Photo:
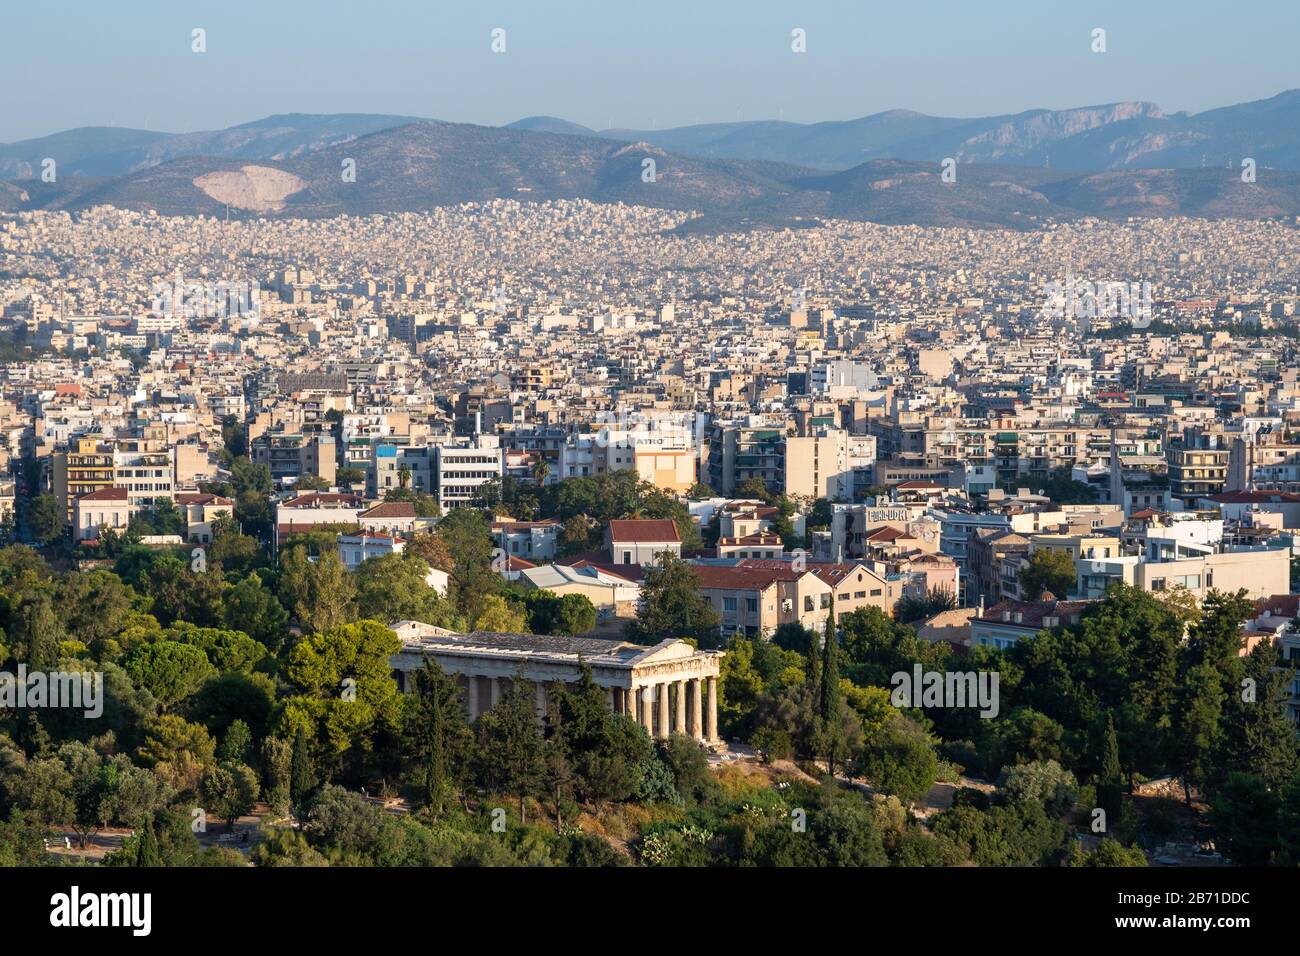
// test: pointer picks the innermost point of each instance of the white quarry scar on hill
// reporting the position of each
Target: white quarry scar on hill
(255, 188)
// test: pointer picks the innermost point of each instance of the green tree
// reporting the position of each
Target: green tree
(321, 594)
(45, 518)
(95, 606)
(499, 616)
(302, 773)
(1048, 570)
(147, 853)
(252, 608)
(671, 606)
(344, 689)
(1043, 781)
(438, 736)
(912, 608)
(471, 578)
(512, 756)
(899, 759)
(178, 751)
(604, 751)
(393, 588)
(1108, 853)
(181, 593)
(34, 633)
(1256, 734)
(237, 745)
(833, 746)
(1110, 782)
(229, 789)
(1198, 709)
(1245, 812)
(169, 670)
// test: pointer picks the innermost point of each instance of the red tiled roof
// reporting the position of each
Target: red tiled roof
(829, 571)
(1032, 612)
(201, 498)
(104, 494)
(1278, 605)
(391, 509)
(740, 577)
(644, 529)
(1254, 498)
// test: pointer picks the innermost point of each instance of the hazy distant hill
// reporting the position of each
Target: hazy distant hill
(1128, 135)
(1091, 138)
(113, 151)
(550, 124)
(428, 164)
(425, 164)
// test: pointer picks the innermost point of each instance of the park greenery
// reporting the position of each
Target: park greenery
(222, 690)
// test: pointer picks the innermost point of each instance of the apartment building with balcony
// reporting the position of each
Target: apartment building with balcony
(294, 455)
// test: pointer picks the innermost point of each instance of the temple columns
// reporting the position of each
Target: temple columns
(711, 715)
(648, 709)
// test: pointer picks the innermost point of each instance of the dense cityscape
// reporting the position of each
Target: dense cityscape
(414, 525)
(844, 485)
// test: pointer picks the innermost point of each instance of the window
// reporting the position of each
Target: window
(751, 605)
(1157, 584)
(729, 604)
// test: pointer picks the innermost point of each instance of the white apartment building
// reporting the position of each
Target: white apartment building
(462, 470)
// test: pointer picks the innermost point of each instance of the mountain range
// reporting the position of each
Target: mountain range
(1118, 160)
(1131, 135)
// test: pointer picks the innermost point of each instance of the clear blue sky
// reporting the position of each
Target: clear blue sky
(68, 63)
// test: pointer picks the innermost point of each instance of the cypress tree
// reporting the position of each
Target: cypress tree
(830, 676)
(832, 729)
(146, 847)
(1111, 779)
(439, 735)
(512, 748)
(813, 666)
(435, 754)
(302, 773)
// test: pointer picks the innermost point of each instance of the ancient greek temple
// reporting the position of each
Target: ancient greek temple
(670, 688)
